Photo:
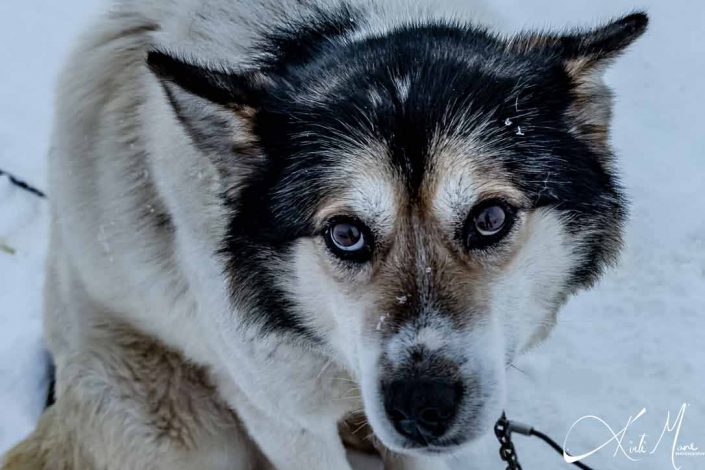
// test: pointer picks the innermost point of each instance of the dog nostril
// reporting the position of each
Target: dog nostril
(408, 427)
(422, 409)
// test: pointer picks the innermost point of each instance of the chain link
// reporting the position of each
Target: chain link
(506, 449)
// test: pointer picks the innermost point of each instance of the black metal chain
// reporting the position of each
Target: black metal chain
(504, 429)
(506, 447)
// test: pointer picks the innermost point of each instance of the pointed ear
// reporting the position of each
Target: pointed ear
(587, 52)
(215, 107)
(231, 89)
(584, 55)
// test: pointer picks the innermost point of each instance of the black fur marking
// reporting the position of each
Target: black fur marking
(254, 284)
(258, 236)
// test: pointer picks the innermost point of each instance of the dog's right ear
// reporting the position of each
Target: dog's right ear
(214, 106)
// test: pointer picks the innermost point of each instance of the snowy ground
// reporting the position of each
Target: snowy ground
(633, 342)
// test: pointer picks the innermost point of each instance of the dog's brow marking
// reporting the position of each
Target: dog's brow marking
(454, 194)
(368, 190)
(374, 199)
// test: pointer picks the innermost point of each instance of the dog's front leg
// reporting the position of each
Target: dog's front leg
(292, 447)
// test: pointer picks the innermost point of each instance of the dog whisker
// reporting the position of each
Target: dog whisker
(361, 427)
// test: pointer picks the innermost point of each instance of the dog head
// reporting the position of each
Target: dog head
(417, 203)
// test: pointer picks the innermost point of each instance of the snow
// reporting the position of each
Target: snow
(23, 231)
(633, 342)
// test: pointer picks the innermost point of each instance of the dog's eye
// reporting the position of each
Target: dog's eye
(488, 223)
(490, 220)
(349, 239)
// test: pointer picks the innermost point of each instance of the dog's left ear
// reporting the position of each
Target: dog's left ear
(230, 89)
(215, 106)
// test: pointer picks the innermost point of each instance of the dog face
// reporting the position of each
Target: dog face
(418, 204)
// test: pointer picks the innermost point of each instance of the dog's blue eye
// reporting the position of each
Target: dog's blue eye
(349, 239)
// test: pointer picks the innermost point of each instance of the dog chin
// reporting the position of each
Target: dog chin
(399, 445)
(408, 448)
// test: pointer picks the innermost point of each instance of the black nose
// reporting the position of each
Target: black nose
(422, 410)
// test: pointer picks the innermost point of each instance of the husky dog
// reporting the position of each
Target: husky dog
(269, 216)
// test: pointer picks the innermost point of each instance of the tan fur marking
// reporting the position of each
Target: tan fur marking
(178, 407)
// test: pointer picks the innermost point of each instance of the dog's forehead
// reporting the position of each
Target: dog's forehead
(430, 138)
(462, 171)
(438, 169)
(366, 186)
(457, 174)
(401, 123)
